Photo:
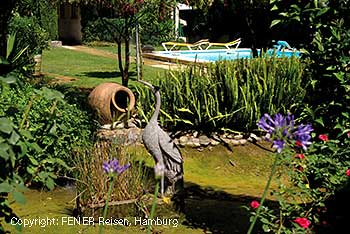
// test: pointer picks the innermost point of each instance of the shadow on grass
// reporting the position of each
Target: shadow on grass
(217, 211)
(106, 74)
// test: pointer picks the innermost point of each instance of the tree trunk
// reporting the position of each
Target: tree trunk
(120, 59)
(125, 76)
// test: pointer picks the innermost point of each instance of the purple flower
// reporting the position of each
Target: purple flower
(279, 127)
(302, 135)
(113, 167)
(283, 130)
(279, 145)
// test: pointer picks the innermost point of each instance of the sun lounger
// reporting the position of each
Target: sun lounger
(228, 45)
(168, 46)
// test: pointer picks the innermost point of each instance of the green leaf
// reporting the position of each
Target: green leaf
(6, 125)
(3, 151)
(19, 197)
(26, 134)
(50, 183)
(53, 130)
(8, 80)
(31, 170)
(274, 22)
(186, 121)
(14, 138)
(10, 44)
(320, 121)
(5, 187)
(185, 110)
(274, 8)
(33, 160)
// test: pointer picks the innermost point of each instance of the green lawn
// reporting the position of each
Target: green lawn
(90, 70)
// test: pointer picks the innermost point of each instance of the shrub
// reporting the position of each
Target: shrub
(56, 129)
(314, 177)
(156, 33)
(28, 35)
(227, 94)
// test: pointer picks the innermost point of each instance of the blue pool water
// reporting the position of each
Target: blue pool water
(216, 55)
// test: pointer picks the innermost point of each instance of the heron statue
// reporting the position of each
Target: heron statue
(168, 158)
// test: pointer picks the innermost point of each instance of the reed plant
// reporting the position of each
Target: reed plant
(226, 94)
(93, 183)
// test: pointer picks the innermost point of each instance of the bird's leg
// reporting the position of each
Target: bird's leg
(159, 170)
(162, 185)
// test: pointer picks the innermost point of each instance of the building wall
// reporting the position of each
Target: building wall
(69, 27)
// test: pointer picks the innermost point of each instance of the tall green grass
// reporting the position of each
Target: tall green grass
(227, 94)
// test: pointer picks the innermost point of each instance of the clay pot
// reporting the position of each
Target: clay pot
(110, 102)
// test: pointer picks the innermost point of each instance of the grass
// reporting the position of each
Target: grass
(89, 70)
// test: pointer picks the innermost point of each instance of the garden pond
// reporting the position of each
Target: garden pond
(218, 183)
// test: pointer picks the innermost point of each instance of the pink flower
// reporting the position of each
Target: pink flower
(300, 156)
(302, 222)
(323, 137)
(254, 204)
(347, 172)
(348, 134)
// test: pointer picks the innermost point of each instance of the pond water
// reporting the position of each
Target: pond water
(216, 192)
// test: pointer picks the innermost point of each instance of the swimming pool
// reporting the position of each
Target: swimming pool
(216, 55)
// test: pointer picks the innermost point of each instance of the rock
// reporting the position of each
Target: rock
(230, 136)
(183, 140)
(133, 135)
(131, 124)
(194, 142)
(56, 43)
(235, 142)
(254, 138)
(216, 137)
(195, 134)
(214, 142)
(267, 136)
(242, 141)
(204, 140)
(238, 137)
(119, 125)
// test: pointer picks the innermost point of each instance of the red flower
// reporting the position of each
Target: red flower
(254, 204)
(300, 156)
(302, 222)
(299, 144)
(347, 172)
(323, 137)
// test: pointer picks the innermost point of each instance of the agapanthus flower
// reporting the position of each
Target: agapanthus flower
(112, 167)
(283, 130)
(254, 204)
(302, 222)
(302, 135)
(278, 127)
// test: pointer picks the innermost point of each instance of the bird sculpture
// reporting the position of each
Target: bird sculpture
(168, 158)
